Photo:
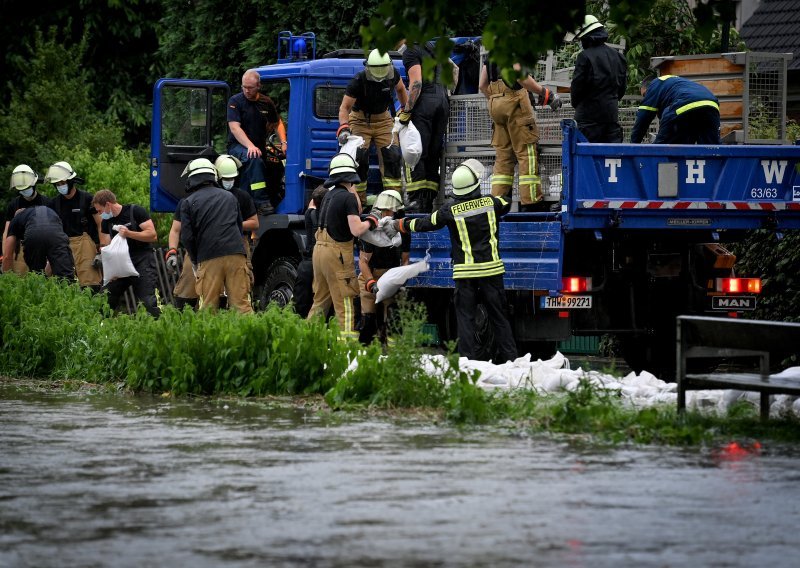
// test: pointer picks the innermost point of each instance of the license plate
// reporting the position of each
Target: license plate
(566, 302)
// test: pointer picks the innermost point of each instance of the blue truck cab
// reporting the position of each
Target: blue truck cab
(636, 234)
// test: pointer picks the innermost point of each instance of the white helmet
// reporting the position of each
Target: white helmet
(389, 199)
(342, 169)
(200, 166)
(227, 166)
(59, 172)
(23, 177)
(590, 23)
(467, 177)
(378, 65)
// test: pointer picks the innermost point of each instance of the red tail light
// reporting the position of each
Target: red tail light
(739, 285)
(576, 284)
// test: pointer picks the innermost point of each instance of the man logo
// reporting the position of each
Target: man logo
(731, 303)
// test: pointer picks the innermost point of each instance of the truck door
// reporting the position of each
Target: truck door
(189, 121)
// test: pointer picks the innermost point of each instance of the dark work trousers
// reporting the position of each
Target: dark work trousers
(491, 293)
(430, 117)
(43, 245)
(696, 126)
(303, 294)
(601, 131)
(144, 285)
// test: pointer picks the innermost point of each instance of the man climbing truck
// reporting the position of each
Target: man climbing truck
(636, 241)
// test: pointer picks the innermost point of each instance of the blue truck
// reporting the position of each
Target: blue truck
(636, 234)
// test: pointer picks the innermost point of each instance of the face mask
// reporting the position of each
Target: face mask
(63, 189)
(27, 193)
(227, 183)
(106, 215)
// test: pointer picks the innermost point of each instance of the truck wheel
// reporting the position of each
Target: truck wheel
(279, 284)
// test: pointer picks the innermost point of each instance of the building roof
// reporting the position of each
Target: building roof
(775, 27)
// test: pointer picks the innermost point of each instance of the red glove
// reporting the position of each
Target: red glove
(371, 286)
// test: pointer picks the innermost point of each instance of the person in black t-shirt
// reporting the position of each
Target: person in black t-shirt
(80, 221)
(133, 223)
(45, 242)
(366, 110)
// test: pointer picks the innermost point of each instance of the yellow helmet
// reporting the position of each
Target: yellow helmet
(590, 23)
(227, 166)
(342, 169)
(23, 177)
(59, 172)
(467, 177)
(378, 65)
(389, 199)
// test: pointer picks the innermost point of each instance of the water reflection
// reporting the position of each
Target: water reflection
(110, 480)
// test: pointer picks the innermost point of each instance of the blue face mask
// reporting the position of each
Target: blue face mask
(106, 215)
(27, 193)
(63, 189)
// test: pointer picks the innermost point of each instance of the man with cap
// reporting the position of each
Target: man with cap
(473, 222)
(365, 112)
(80, 220)
(373, 262)
(133, 223)
(45, 242)
(211, 231)
(23, 180)
(335, 280)
(598, 84)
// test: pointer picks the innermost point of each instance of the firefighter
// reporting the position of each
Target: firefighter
(477, 267)
(366, 111)
(373, 262)
(81, 223)
(185, 291)
(688, 113)
(335, 280)
(24, 180)
(515, 133)
(211, 231)
(40, 228)
(429, 108)
(598, 84)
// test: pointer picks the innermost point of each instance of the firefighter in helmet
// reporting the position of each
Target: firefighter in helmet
(335, 281)
(23, 180)
(473, 222)
(80, 220)
(366, 111)
(373, 262)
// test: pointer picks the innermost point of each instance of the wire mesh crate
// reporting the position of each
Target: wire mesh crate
(469, 122)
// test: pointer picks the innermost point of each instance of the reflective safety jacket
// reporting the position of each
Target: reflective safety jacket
(668, 97)
(474, 233)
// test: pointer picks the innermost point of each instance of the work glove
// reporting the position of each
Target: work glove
(548, 97)
(404, 116)
(98, 261)
(372, 220)
(387, 226)
(371, 286)
(343, 134)
(172, 260)
(397, 225)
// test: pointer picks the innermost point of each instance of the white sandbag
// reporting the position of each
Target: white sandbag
(410, 142)
(380, 237)
(394, 278)
(117, 260)
(352, 145)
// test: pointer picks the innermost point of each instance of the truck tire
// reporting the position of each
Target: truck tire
(279, 284)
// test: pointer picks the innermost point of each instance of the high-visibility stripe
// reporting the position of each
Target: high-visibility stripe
(693, 205)
(502, 179)
(696, 104)
(463, 235)
(349, 317)
(391, 183)
(478, 270)
(651, 109)
(492, 218)
(258, 185)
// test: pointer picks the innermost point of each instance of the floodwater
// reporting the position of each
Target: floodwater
(92, 479)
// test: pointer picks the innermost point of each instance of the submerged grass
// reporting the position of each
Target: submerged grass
(54, 332)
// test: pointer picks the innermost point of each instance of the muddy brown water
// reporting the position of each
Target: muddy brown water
(91, 479)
